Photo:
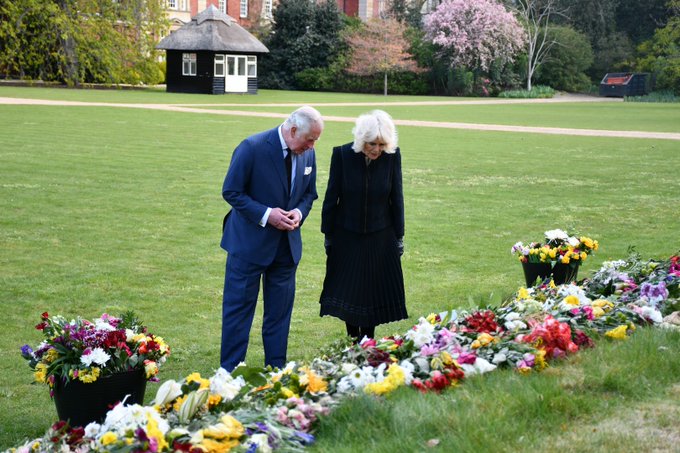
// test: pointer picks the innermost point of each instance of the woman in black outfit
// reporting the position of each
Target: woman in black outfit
(363, 222)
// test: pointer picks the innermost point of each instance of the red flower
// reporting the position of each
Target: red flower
(45, 315)
(483, 322)
(582, 340)
(41, 326)
(552, 336)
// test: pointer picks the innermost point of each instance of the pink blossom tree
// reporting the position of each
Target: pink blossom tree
(475, 33)
(379, 47)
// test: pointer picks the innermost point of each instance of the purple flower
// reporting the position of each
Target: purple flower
(654, 293)
(307, 439)
(27, 351)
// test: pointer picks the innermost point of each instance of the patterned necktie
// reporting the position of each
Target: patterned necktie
(289, 166)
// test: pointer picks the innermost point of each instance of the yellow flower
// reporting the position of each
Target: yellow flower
(214, 400)
(603, 304)
(50, 356)
(584, 255)
(40, 373)
(315, 383)
(446, 358)
(395, 378)
(552, 284)
(227, 428)
(214, 446)
(572, 300)
(286, 392)
(553, 253)
(108, 438)
(618, 333)
(523, 293)
(178, 403)
(88, 376)
(153, 432)
(565, 259)
(597, 312)
(483, 339)
(539, 360)
(196, 377)
(151, 368)
(432, 318)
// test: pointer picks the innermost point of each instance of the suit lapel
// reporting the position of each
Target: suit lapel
(276, 155)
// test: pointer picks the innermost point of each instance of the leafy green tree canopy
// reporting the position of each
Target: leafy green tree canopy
(304, 35)
(82, 41)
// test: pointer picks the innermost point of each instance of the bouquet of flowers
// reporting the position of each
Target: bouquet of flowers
(83, 350)
(557, 247)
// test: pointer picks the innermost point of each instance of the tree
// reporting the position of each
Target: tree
(304, 35)
(568, 60)
(82, 41)
(474, 33)
(379, 47)
(536, 15)
(660, 55)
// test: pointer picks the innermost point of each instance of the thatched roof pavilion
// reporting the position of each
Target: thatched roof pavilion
(212, 54)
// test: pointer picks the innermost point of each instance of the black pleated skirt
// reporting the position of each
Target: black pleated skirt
(364, 283)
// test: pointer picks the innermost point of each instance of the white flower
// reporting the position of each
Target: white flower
(347, 368)
(499, 358)
(513, 321)
(97, 355)
(574, 242)
(168, 392)
(100, 324)
(261, 441)
(122, 419)
(480, 366)
(408, 368)
(421, 334)
(651, 314)
(224, 384)
(553, 235)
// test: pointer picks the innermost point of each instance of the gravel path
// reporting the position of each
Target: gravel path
(193, 108)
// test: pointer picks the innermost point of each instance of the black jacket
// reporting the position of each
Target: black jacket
(363, 198)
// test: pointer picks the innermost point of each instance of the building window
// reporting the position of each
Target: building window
(222, 6)
(189, 64)
(183, 5)
(268, 9)
(219, 65)
(252, 66)
(244, 8)
(172, 4)
(231, 66)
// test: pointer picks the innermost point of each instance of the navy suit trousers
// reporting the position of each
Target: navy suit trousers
(241, 289)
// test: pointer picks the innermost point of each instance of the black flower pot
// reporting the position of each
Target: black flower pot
(533, 271)
(565, 273)
(80, 403)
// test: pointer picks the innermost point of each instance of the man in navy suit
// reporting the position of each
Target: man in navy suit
(262, 232)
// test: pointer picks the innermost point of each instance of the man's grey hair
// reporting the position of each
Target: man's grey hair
(375, 125)
(303, 119)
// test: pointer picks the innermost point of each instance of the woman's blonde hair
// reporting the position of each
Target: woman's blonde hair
(375, 125)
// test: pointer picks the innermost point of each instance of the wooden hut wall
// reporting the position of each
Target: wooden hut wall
(202, 82)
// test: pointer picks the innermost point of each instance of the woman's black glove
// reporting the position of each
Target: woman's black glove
(400, 246)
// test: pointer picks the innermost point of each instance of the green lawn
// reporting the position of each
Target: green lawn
(109, 209)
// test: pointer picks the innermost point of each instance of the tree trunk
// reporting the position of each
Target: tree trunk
(385, 85)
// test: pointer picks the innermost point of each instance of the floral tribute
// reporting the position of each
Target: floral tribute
(557, 247)
(262, 410)
(86, 351)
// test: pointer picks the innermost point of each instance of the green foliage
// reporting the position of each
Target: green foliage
(655, 96)
(568, 59)
(536, 92)
(661, 56)
(304, 35)
(81, 41)
(612, 53)
(334, 78)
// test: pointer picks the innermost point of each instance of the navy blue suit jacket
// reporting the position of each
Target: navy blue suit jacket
(255, 181)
